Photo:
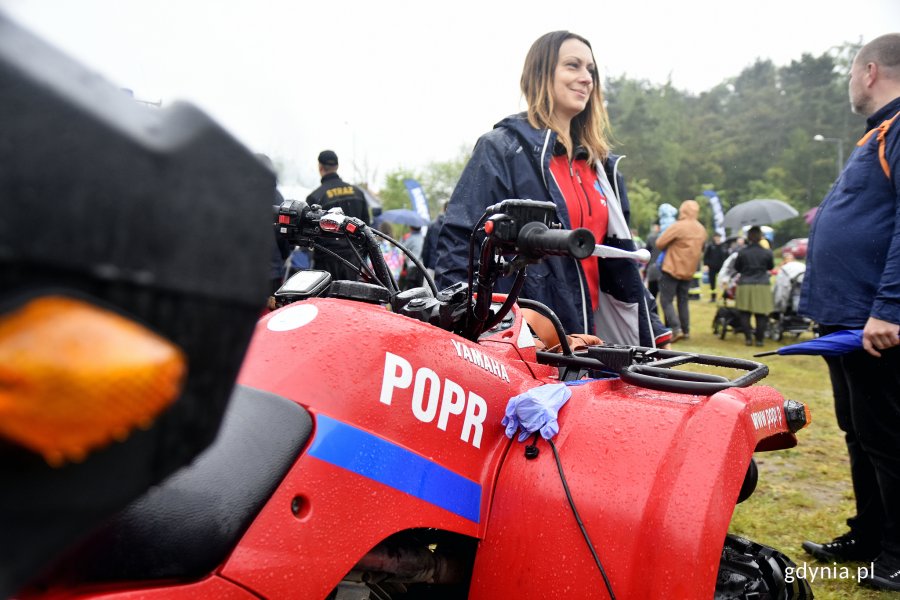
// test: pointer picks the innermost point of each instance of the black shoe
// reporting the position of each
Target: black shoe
(759, 342)
(886, 575)
(843, 548)
(748, 342)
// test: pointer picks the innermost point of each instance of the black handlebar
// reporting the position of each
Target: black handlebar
(528, 229)
(652, 368)
(536, 239)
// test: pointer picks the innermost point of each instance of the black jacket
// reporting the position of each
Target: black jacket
(753, 263)
(334, 192)
(714, 256)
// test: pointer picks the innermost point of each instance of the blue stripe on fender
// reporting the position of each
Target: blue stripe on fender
(368, 455)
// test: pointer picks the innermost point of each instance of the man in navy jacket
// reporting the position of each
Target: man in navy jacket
(852, 281)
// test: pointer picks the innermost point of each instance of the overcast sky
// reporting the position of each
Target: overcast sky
(390, 83)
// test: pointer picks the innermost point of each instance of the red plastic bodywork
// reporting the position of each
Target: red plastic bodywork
(655, 475)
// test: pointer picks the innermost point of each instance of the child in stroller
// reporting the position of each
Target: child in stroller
(786, 298)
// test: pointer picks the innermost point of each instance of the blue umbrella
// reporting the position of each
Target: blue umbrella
(833, 344)
(402, 216)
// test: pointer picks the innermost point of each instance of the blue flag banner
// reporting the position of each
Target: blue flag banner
(417, 198)
(718, 215)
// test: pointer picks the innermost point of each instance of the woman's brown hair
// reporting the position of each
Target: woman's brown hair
(590, 128)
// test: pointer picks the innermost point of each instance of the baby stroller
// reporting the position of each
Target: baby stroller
(727, 317)
(786, 298)
(728, 279)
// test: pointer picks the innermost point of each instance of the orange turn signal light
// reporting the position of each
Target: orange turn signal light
(75, 377)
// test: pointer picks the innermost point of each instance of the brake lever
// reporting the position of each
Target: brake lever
(642, 256)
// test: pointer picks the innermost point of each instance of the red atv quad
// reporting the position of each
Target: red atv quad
(363, 452)
(363, 456)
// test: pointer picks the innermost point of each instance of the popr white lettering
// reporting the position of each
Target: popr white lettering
(433, 397)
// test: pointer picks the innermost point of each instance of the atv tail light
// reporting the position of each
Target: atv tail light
(797, 415)
(75, 377)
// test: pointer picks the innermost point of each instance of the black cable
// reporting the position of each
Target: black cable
(584, 532)
(470, 278)
(416, 261)
(376, 258)
(510, 300)
(362, 270)
(557, 324)
(363, 265)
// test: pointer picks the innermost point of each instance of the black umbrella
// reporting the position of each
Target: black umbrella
(758, 212)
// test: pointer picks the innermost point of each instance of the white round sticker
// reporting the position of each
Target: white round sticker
(293, 317)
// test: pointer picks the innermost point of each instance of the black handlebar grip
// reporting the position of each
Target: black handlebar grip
(537, 239)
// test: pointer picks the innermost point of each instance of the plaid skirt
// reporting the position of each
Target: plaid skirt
(755, 298)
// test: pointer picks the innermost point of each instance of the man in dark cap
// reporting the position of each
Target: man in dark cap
(334, 192)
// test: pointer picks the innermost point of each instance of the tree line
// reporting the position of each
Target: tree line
(751, 136)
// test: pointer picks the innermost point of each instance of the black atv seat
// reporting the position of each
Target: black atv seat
(185, 527)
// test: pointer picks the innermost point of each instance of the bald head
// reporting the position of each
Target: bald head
(885, 52)
(875, 74)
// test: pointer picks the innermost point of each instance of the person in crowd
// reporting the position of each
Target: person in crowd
(667, 214)
(558, 151)
(790, 266)
(857, 286)
(651, 270)
(429, 249)
(393, 256)
(785, 296)
(414, 242)
(682, 242)
(280, 249)
(336, 193)
(638, 240)
(713, 258)
(754, 292)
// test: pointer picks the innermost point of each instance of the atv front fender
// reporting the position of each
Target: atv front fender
(655, 478)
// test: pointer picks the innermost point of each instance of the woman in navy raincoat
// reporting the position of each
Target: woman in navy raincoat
(558, 151)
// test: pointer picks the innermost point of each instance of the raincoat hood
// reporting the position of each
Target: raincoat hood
(689, 210)
(536, 140)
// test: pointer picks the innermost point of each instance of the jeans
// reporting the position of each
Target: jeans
(670, 289)
(867, 405)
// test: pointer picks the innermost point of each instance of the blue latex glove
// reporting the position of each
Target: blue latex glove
(536, 410)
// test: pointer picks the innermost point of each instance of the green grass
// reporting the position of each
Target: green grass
(804, 493)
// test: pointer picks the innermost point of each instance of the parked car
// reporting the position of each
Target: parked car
(796, 246)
